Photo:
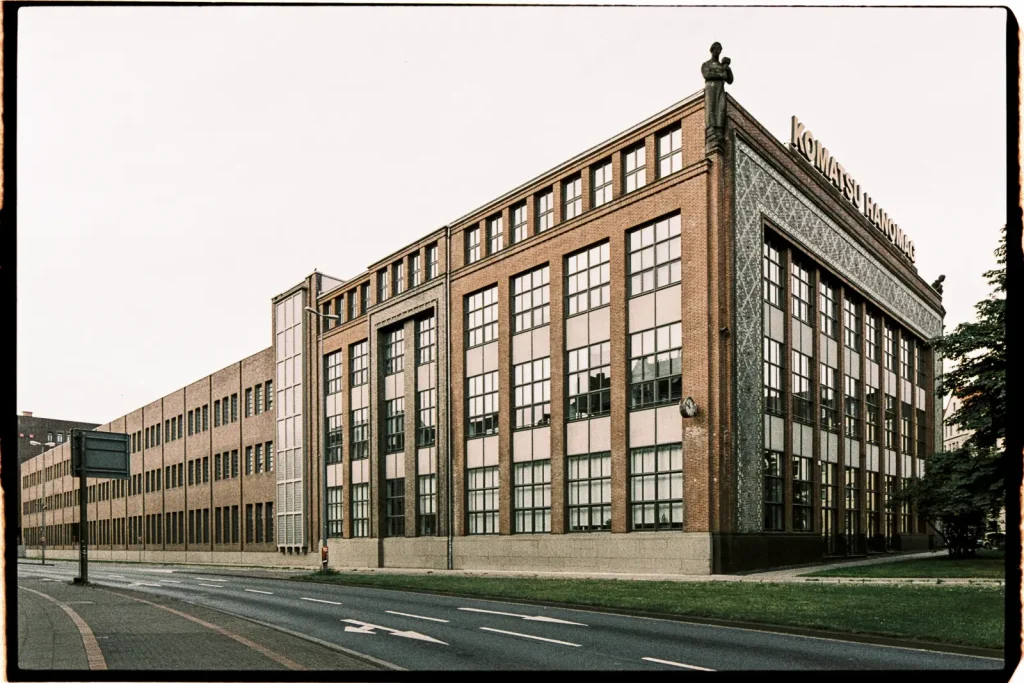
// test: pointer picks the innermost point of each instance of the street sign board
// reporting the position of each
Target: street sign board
(106, 455)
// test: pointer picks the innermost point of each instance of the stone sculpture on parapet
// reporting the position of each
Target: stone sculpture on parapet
(716, 74)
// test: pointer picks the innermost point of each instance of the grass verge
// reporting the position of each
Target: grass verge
(958, 615)
(989, 564)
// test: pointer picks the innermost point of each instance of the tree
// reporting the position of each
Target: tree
(979, 350)
(960, 490)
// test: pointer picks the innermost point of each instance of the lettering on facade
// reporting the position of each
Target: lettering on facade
(811, 149)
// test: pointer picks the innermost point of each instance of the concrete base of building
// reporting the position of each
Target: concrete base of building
(747, 552)
(241, 559)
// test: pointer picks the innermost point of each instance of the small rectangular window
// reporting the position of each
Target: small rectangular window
(572, 197)
(634, 165)
(482, 317)
(545, 210)
(670, 154)
(432, 264)
(472, 245)
(495, 234)
(602, 183)
(482, 404)
(518, 214)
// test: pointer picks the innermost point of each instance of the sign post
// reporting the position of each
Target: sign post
(102, 455)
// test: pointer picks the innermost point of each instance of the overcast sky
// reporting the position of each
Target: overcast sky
(178, 167)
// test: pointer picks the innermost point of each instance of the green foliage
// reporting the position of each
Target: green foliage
(960, 489)
(979, 350)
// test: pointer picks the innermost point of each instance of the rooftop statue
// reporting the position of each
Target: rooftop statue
(716, 74)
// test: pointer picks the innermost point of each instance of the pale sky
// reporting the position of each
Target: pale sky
(180, 166)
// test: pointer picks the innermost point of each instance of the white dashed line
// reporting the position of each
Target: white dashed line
(526, 635)
(416, 616)
(154, 585)
(168, 581)
(253, 590)
(211, 585)
(326, 602)
(681, 666)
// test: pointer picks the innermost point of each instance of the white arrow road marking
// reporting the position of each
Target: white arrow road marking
(253, 590)
(327, 602)
(416, 616)
(682, 666)
(550, 620)
(364, 627)
(526, 635)
(211, 585)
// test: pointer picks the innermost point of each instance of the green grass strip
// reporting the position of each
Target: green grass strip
(989, 564)
(959, 615)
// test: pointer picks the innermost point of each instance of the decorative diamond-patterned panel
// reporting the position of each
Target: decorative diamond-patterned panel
(761, 191)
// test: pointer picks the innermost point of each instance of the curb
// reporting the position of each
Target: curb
(869, 639)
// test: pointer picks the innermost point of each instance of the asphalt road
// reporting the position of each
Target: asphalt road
(417, 631)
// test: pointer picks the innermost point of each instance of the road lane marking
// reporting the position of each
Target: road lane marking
(368, 629)
(140, 583)
(208, 578)
(527, 635)
(326, 602)
(253, 590)
(682, 666)
(211, 585)
(416, 616)
(93, 653)
(525, 617)
(169, 581)
(267, 652)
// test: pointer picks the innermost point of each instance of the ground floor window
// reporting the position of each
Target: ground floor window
(360, 510)
(905, 520)
(482, 487)
(852, 506)
(656, 487)
(829, 502)
(335, 509)
(427, 493)
(532, 495)
(890, 512)
(590, 492)
(774, 486)
(803, 502)
(872, 491)
(394, 507)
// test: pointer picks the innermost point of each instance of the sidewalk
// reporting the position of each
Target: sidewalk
(61, 626)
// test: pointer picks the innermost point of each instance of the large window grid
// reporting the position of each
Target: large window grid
(531, 394)
(656, 487)
(332, 369)
(803, 303)
(852, 507)
(334, 511)
(473, 245)
(602, 183)
(829, 506)
(670, 151)
(531, 299)
(482, 317)
(890, 421)
(531, 492)
(922, 368)
(851, 407)
(358, 358)
(333, 439)
(518, 218)
(803, 399)
(889, 347)
(572, 198)
(394, 351)
(427, 495)
(829, 380)
(872, 495)
(482, 500)
(655, 359)
(545, 210)
(803, 502)
(774, 398)
(590, 492)
(495, 234)
(871, 407)
(360, 447)
(654, 252)
(426, 339)
(360, 510)
(851, 324)
(394, 425)
(772, 278)
(774, 488)
(426, 417)
(634, 165)
(828, 309)
(483, 404)
(394, 507)
(587, 278)
(906, 433)
(588, 388)
(906, 358)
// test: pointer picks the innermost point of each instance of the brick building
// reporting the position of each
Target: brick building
(506, 392)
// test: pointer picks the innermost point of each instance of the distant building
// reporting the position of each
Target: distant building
(953, 437)
(44, 430)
